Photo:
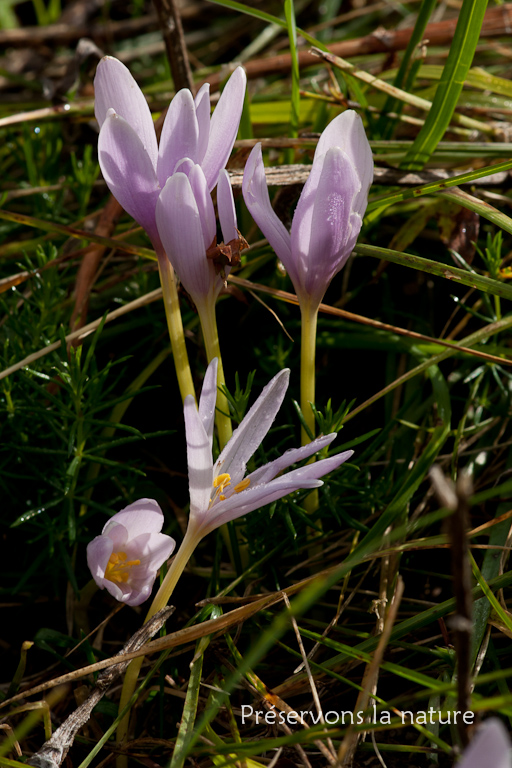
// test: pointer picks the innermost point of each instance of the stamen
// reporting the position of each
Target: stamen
(118, 567)
(242, 485)
(220, 482)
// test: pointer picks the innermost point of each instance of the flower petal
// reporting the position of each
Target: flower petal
(115, 88)
(204, 203)
(143, 516)
(128, 171)
(253, 428)
(226, 207)
(322, 234)
(98, 553)
(246, 501)
(152, 549)
(208, 399)
(199, 457)
(269, 471)
(202, 102)
(347, 132)
(181, 231)
(490, 747)
(255, 192)
(180, 135)
(224, 126)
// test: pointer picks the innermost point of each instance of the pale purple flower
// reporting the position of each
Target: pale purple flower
(222, 491)
(133, 165)
(490, 748)
(186, 223)
(126, 557)
(329, 214)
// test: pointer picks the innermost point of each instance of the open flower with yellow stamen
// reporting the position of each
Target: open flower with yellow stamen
(126, 557)
(222, 492)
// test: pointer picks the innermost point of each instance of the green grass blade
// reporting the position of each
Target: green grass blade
(471, 279)
(448, 91)
(386, 125)
(289, 12)
(438, 186)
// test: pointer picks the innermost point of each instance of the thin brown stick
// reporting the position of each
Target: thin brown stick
(496, 22)
(54, 751)
(175, 46)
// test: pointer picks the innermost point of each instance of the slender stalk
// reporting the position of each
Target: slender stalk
(307, 368)
(208, 320)
(309, 317)
(160, 601)
(175, 325)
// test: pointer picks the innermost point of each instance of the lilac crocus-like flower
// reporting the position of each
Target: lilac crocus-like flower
(491, 747)
(133, 165)
(329, 213)
(126, 557)
(186, 223)
(222, 491)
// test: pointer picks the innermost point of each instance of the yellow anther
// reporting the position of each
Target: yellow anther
(242, 485)
(221, 481)
(118, 567)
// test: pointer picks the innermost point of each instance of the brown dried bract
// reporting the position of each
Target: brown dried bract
(226, 254)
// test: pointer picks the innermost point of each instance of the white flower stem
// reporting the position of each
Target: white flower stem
(175, 326)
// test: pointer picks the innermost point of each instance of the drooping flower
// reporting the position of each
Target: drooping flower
(186, 223)
(126, 557)
(222, 491)
(329, 214)
(491, 747)
(133, 165)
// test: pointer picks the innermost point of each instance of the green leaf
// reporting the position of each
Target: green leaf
(471, 279)
(457, 65)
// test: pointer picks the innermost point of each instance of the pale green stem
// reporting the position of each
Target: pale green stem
(208, 319)
(307, 368)
(160, 601)
(206, 310)
(181, 363)
(309, 316)
(175, 326)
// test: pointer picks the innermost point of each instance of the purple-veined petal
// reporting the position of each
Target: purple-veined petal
(321, 229)
(181, 231)
(180, 135)
(224, 126)
(204, 203)
(255, 425)
(115, 88)
(292, 456)
(199, 457)
(347, 132)
(257, 200)
(490, 747)
(143, 516)
(202, 102)
(226, 207)
(208, 399)
(239, 504)
(128, 171)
